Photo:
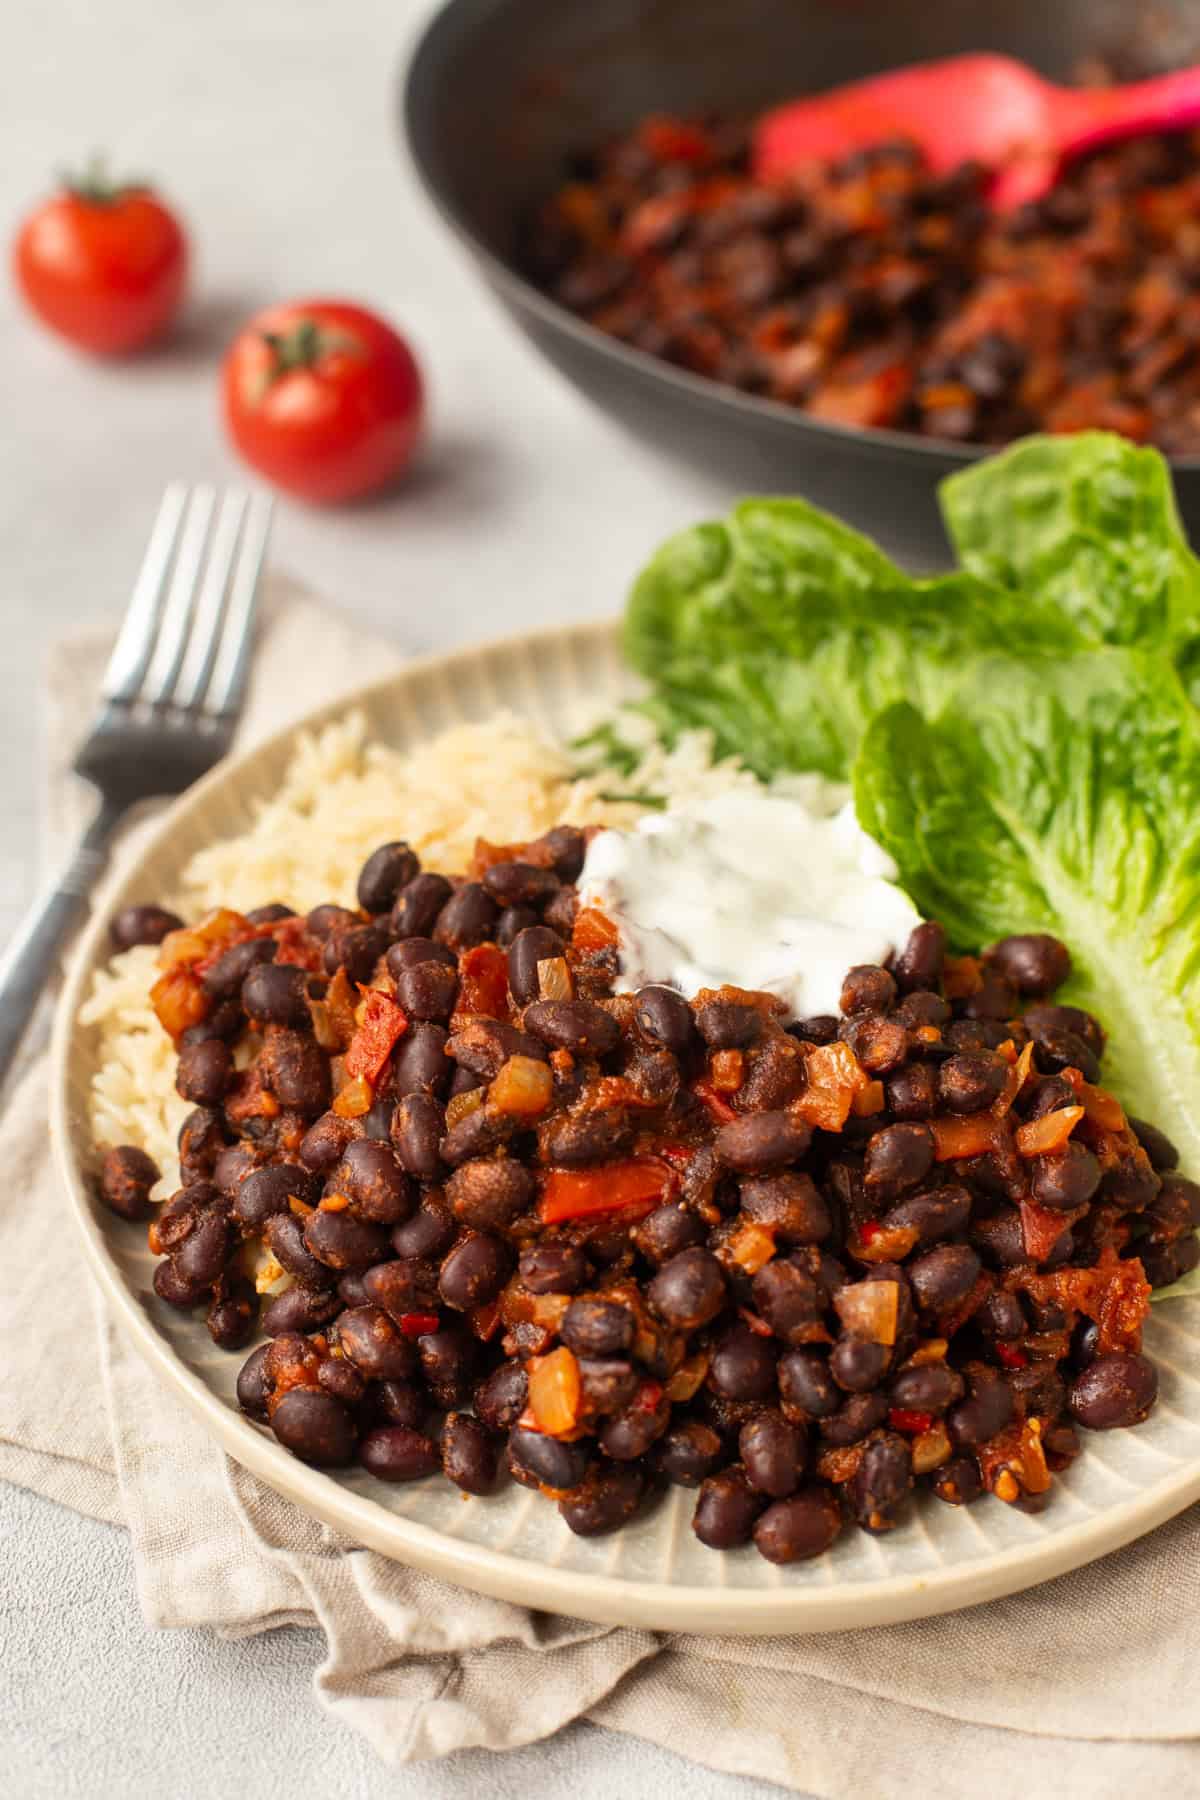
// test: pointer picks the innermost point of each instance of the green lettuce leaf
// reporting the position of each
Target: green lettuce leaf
(1064, 797)
(784, 632)
(1087, 526)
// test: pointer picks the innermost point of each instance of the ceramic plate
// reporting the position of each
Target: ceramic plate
(654, 1574)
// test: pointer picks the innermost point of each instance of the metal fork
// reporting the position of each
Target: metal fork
(170, 699)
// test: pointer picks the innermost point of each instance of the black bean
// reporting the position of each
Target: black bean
(411, 952)
(1000, 1315)
(373, 1180)
(897, 1157)
(474, 1271)
(341, 1379)
(1038, 1389)
(577, 1139)
(271, 914)
(141, 925)
(664, 1017)
(561, 910)
(919, 964)
(126, 1176)
(987, 1409)
(401, 1403)
(789, 1301)
(790, 1204)
(377, 1120)
(1034, 962)
(689, 1290)
(417, 906)
(485, 1045)
(203, 1148)
(976, 1034)
(501, 1399)
(943, 1276)
(868, 988)
(1157, 1145)
(268, 1190)
(520, 884)
(994, 999)
(385, 872)
(553, 1268)
(553, 1463)
(576, 1025)
(468, 917)
(881, 1482)
(607, 1499)
(772, 1450)
(351, 1290)
(376, 1348)
(1064, 1050)
(857, 1364)
(880, 1044)
(357, 950)
(728, 1024)
(430, 1232)
(804, 1525)
(608, 1385)
(822, 1028)
(958, 1482)
(233, 1313)
(324, 1143)
(806, 1387)
(315, 1427)
(324, 919)
(342, 1242)
(405, 1285)
(743, 1365)
(762, 1141)
(394, 1453)
(252, 1383)
(912, 1092)
(489, 1195)
(1066, 1178)
(275, 994)
(201, 1257)
(177, 1289)
(224, 979)
(204, 1072)
(417, 1124)
(448, 1363)
(856, 1416)
(301, 1309)
(530, 947)
(687, 1452)
(923, 1008)
(420, 1064)
(1116, 1389)
(630, 1434)
(594, 1327)
(226, 1021)
(470, 1456)
(971, 1081)
(566, 845)
(512, 922)
(183, 1212)
(937, 1214)
(1041, 1020)
(726, 1509)
(932, 1387)
(295, 1070)
(428, 991)
(667, 1231)
(1047, 1095)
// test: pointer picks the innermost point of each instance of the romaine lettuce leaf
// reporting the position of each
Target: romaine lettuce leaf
(1086, 525)
(1065, 797)
(784, 631)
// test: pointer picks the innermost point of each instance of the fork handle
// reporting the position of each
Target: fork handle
(29, 961)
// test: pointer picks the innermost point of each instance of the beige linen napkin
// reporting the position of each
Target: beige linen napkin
(1085, 1686)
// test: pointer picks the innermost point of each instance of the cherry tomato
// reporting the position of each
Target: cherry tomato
(323, 398)
(103, 264)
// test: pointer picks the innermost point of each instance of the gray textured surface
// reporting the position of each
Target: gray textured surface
(270, 127)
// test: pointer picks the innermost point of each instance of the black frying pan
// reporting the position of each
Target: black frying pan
(500, 91)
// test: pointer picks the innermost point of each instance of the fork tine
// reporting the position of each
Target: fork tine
(205, 639)
(175, 620)
(232, 665)
(135, 641)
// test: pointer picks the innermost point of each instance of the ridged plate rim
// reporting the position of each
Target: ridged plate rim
(807, 1597)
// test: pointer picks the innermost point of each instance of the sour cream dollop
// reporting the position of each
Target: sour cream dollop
(750, 888)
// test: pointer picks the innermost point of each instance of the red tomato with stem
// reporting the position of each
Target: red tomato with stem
(323, 398)
(103, 263)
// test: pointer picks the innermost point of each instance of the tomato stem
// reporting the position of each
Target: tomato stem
(96, 186)
(301, 347)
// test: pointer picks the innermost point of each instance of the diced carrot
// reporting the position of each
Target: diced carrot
(869, 1309)
(610, 1187)
(554, 1392)
(485, 856)
(1038, 1136)
(751, 1247)
(1041, 1228)
(1102, 1108)
(482, 984)
(380, 1027)
(868, 1100)
(835, 1076)
(970, 1135)
(727, 1071)
(180, 1000)
(1015, 1080)
(355, 1099)
(523, 1088)
(334, 1202)
(196, 943)
(1008, 1050)
(592, 931)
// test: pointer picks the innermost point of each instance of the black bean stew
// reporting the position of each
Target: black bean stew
(876, 293)
(596, 1242)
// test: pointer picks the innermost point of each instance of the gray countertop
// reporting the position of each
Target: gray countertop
(270, 125)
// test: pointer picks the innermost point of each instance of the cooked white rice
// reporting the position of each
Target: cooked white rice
(340, 797)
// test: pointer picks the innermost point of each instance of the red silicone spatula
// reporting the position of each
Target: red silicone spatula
(987, 109)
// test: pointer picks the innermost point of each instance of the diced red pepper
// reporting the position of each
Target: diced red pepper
(909, 1421)
(678, 1155)
(871, 1230)
(718, 1107)
(611, 1187)
(382, 1024)
(418, 1324)
(593, 931)
(1012, 1356)
(482, 984)
(1041, 1229)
